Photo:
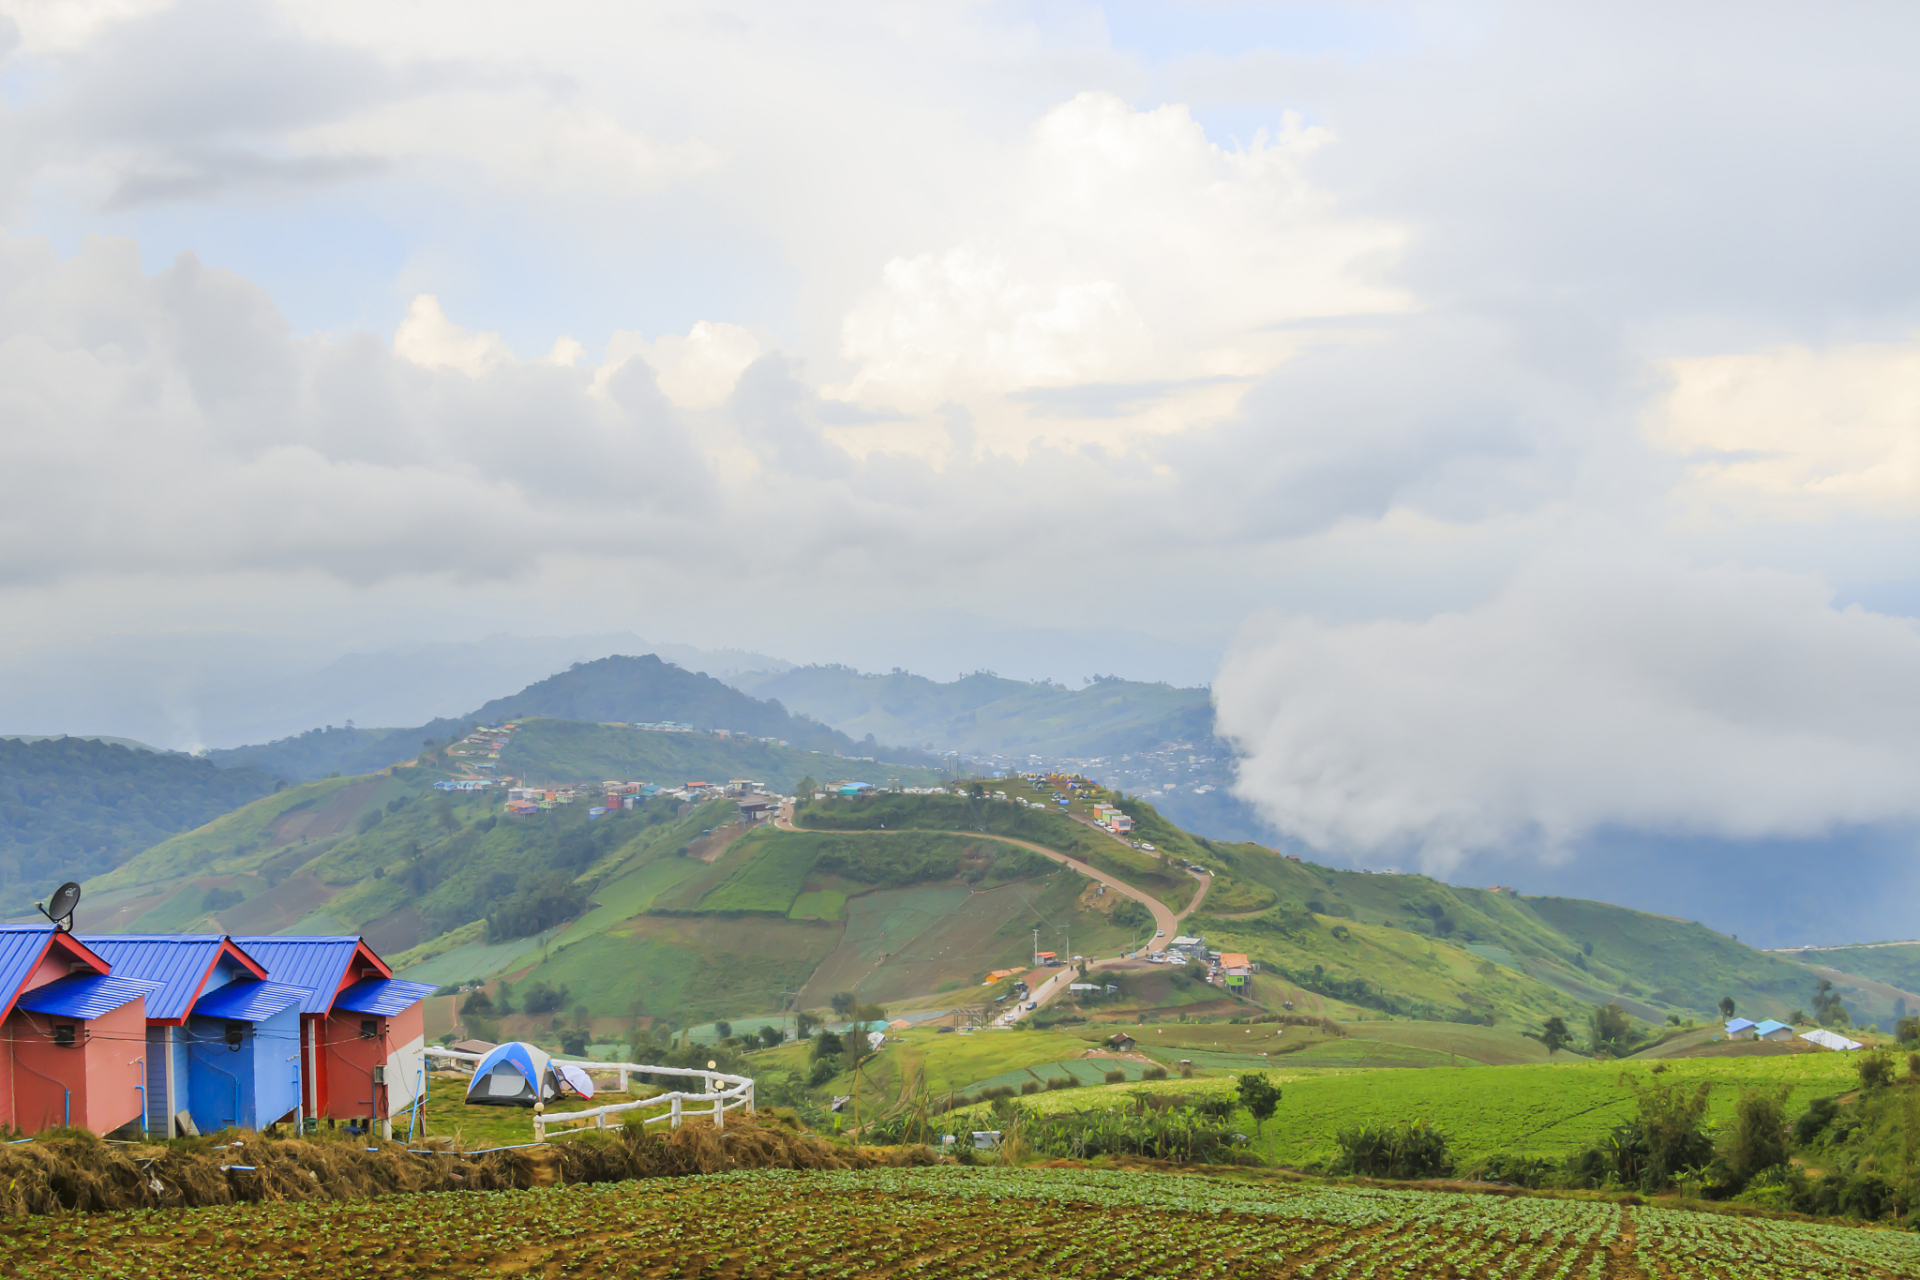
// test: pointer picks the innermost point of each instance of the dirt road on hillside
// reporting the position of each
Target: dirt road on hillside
(1163, 917)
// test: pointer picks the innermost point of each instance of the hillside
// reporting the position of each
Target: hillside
(984, 714)
(76, 807)
(1408, 945)
(571, 750)
(619, 689)
(669, 912)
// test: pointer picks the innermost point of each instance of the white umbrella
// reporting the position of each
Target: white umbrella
(576, 1077)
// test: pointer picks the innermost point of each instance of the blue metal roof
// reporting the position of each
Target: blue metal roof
(247, 1001)
(21, 946)
(314, 964)
(84, 995)
(384, 996)
(178, 962)
(1768, 1027)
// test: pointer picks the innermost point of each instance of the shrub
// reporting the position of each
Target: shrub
(1404, 1151)
(1031, 1086)
(1757, 1139)
(1876, 1070)
(1063, 1082)
(1154, 1073)
(1665, 1136)
(1116, 1077)
(1818, 1115)
(1517, 1171)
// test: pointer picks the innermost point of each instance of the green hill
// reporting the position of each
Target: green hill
(75, 807)
(1408, 945)
(670, 912)
(618, 689)
(571, 751)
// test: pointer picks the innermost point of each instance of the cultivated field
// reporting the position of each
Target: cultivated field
(951, 1221)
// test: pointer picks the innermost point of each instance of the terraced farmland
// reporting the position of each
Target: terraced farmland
(952, 1221)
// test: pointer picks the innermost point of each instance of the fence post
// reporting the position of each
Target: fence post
(750, 1088)
(675, 1124)
(539, 1127)
(623, 1080)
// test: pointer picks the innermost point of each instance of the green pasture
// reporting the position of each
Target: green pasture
(1544, 1109)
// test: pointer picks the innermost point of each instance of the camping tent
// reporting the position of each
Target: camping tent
(506, 1077)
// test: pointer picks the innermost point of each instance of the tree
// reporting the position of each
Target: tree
(723, 1029)
(803, 1025)
(1827, 1007)
(770, 1036)
(1554, 1035)
(1727, 1007)
(805, 788)
(1611, 1033)
(505, 1003)
(479, 1002)
(827, 1044)
(1260, 1096)
(1907, 1030)
(843, 1002)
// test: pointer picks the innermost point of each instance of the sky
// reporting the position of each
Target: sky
(1512, 410)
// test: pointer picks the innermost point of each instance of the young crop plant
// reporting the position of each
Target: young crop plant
(950, 1221)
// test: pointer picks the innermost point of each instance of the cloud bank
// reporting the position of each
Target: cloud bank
(1596, 689)
(362, 325)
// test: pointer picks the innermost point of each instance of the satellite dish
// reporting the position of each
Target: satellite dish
(60, 909)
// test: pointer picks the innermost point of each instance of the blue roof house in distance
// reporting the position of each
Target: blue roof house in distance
(223, 1044)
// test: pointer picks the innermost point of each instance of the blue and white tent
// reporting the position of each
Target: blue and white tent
(515, 1074)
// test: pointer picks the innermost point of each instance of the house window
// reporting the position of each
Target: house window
(369, 1029)
(233, 1037)
(64, 1034)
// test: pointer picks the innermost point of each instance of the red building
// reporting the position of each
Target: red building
(75, 1037)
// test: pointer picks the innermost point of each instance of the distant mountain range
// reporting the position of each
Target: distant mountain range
(987, 715)
(616, 689)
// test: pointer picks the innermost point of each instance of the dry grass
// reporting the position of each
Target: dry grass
(74, 1171)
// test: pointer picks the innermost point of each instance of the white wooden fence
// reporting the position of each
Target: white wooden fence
(719, 1093)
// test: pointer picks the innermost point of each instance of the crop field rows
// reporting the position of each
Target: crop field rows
(952, 1221)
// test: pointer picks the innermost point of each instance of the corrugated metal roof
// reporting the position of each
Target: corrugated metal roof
(21, 946)
(247, 1001)
(384, 996)
(84, 995)
(178, 962)
(313, 964)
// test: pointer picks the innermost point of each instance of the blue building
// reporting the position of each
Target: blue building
(223, 1043)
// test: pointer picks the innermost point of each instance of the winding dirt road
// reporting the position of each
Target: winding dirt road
(1165, 919)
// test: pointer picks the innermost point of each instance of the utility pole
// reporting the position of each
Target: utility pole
(1036, 944)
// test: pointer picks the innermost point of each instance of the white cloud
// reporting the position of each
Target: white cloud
(696, 370)
(432, 341)
(1600, 688)
(1804, 433)
(1131, 248)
